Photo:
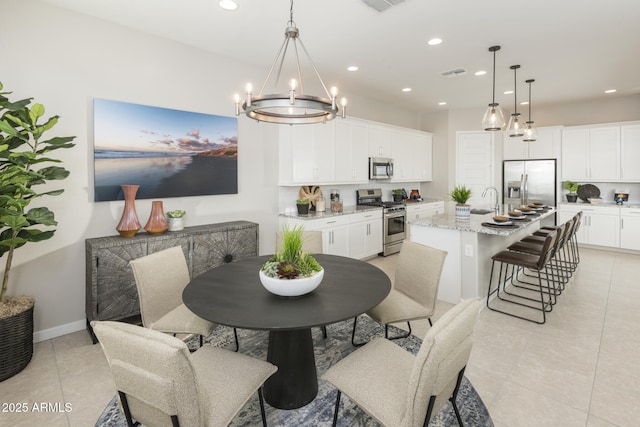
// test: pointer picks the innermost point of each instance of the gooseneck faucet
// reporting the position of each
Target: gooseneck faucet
(497, 207)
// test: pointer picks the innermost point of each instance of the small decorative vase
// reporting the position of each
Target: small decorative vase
(175, 224)
(463, 211)
(157, 223)
(303, 209)
(129, 224)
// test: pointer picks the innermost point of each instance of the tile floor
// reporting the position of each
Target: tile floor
(579, 369)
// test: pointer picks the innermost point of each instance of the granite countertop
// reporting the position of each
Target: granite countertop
(410, 202)
(346, 210)
(602, 205)
(474, 224)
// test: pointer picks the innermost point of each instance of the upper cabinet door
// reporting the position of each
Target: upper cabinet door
(630, 153)
(351, 154)
(547, 145)
(604, 162)
(575, 154)
(307, 153)
(379, 142)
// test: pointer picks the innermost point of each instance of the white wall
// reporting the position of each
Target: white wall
(65, 60)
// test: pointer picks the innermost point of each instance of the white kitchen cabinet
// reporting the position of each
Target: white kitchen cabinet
(591, 153)
(335, 232)
(600, 224)
(630, 153)
(365, 234)
(412, 156)
(630, 228)
(379, 141)
(351, 152)
(307, 153)
(546, 146)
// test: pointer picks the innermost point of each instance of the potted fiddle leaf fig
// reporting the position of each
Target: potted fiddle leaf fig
(25, 166)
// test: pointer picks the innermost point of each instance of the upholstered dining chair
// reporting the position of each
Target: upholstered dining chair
(402, 390)
(160, 383)
(160, 279)
(311, 241)
(415, 288)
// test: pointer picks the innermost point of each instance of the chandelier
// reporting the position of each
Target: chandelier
(294, 106)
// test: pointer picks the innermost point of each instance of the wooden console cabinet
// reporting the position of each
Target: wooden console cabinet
(110, 287)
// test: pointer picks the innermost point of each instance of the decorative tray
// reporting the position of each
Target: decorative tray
(588, 190)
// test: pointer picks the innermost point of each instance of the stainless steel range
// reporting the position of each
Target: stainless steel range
(394, 218)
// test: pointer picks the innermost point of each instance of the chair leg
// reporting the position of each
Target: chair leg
(429, 319)
(386, 333)
(235, 335)
(427, 418)
(353, 334)
(335, 412)
(201, 340)
(262, 413)
(324, 332)
(174, 421)
(127, 411)
(454, 396)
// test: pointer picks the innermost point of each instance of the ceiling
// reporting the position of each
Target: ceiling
(574, 49)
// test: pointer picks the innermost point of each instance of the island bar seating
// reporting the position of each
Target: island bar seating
(572, 253)
(516, 260)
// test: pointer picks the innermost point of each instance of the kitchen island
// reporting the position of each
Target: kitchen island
(470, 246)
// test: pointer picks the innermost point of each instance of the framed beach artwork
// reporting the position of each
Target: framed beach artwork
(168, 153)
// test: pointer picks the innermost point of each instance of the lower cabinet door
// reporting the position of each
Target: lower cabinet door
(630, 232)
(603, 230)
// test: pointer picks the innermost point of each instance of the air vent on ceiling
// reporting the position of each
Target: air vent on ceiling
(456, 72)
(381, 5)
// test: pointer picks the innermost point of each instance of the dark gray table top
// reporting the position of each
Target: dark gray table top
(232, 295)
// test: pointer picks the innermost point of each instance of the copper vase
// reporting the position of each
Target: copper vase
(157, 222)
(129, 224)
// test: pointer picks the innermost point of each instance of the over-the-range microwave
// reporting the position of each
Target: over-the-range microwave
(380, 168)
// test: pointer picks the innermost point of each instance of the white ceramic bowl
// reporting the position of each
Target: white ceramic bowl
(293, 287)
(594, 200)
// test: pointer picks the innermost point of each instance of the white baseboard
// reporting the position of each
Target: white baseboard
(58, 331)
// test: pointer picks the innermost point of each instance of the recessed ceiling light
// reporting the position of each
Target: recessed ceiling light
(508, 92)
(481, 73)
(352, 68)
(434, 42)
(610, 91)
(406, 89)
(442, 103)
(228, 4)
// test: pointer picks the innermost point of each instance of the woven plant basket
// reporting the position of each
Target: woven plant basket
(16, 343)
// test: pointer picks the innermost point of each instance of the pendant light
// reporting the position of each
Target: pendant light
(530, 132)
(493, 118)
(292, 105)
(515, 128)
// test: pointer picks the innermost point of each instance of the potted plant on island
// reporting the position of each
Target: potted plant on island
(175, 219)
(22, 156)
(303, 206)
(291, 271)
(461, 194)
(571, 187)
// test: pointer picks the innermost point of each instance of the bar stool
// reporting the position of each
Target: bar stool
(519, 260)
(570, 249)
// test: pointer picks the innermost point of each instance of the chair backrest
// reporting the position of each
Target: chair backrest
(418, 271)
(153, 370)
(160, 279)
(311, 241)
(444, 353)
(547, 249)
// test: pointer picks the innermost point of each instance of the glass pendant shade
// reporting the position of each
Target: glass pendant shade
(515, 128)
(530, 132)
(493, 118)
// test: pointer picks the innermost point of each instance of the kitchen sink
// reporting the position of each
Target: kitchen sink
(481, 211)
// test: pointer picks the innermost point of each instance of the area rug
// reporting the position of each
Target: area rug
(320, 412)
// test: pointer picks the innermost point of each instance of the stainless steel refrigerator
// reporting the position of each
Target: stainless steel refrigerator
(527, 181)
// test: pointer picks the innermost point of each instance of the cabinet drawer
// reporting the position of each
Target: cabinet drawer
(365, 216)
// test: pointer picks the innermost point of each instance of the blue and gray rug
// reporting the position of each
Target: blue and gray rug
(320, 411)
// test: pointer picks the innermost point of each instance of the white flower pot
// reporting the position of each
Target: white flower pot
(463, 212)
(175, 224)
(293, 287)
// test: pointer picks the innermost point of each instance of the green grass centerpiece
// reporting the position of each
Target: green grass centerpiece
(291, 271)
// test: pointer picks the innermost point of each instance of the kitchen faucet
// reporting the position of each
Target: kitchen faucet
(484, 193)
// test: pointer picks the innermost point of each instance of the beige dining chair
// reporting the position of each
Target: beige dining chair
(415, 289)
(160, 279)
(399, 389)
(159, 383)
(311, 241)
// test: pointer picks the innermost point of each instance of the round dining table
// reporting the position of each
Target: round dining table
(233, 295)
